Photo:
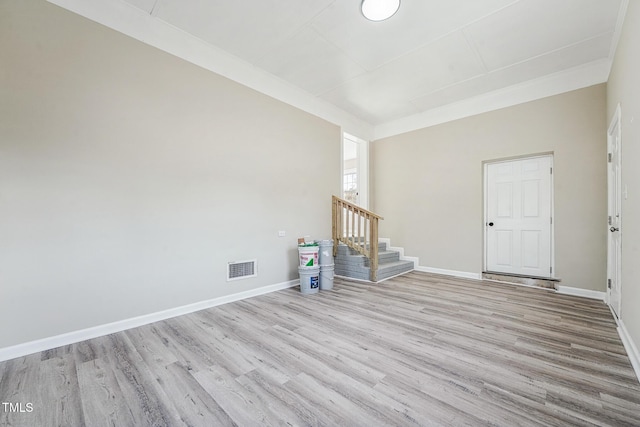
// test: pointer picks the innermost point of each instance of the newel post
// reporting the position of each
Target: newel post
(334, 225)
(373, 248)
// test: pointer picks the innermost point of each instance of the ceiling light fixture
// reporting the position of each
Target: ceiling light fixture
(379, 10)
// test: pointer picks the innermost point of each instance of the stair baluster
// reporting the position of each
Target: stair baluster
(358, 229)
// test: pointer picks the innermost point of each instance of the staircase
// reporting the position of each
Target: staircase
(349, 263)
(357, 252)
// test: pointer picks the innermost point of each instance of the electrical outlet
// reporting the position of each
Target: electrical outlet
(282, 233)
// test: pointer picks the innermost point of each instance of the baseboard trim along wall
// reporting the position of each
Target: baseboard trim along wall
(31, 347)
(418, 267)
(630, 346)
(461, 274)
(567, 290)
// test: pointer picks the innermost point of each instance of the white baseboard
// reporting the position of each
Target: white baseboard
(630, 346)
(454, 273)
(567, 290)
(418, 267)
(122, 325)
(355, 279)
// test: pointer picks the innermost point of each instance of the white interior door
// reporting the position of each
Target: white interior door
(355, 170)
(518, 221)
(614, 220)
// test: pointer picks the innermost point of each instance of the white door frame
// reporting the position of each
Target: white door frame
(614, 270)
(485, 187)
(363, 169)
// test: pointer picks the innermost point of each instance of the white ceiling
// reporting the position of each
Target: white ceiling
(431, 54)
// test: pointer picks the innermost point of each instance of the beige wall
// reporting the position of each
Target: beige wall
(624, 88)
(428, 184)
(129, 178)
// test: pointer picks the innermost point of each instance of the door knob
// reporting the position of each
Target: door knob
(612, 229)
(490, 224)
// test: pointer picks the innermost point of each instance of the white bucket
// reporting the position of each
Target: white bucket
(309, 279)
(308, 255)
(326, 252)
(326, 277)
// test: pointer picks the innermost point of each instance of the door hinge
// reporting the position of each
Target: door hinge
(609, 219)
(609, 283)
(551, 171)
(550, 270)
(551, 220)
(609, 156)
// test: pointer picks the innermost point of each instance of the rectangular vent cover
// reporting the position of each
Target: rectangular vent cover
(242, 269)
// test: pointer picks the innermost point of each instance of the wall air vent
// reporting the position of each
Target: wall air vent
(237, 270)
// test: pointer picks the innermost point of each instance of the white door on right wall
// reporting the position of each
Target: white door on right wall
(615, 211)
(518, 218)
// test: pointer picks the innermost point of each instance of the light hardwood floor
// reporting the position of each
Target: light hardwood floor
(417, 350)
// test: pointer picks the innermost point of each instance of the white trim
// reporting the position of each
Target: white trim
(565, 81)
(586, 293)
(485, 196)
(485, 210)
(629, 346)
(424, 269)
(128, 19)
(394, 276)
(363, 174)
(122, 325)
(622, 12)
(616, 123)
(461, 274)
(356, 279)
(403, 257)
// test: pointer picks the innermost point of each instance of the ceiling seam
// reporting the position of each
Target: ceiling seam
(512, 85)
(475, 50)
(489, 72)
(440, 37)
(306, 25)
(153, 9)
(552, 51)
(430, 42)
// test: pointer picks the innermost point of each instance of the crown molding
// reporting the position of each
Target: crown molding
(140, 25)
(622, 13)
(553, 84)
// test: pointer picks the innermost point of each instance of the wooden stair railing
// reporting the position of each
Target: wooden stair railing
(358, 229)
